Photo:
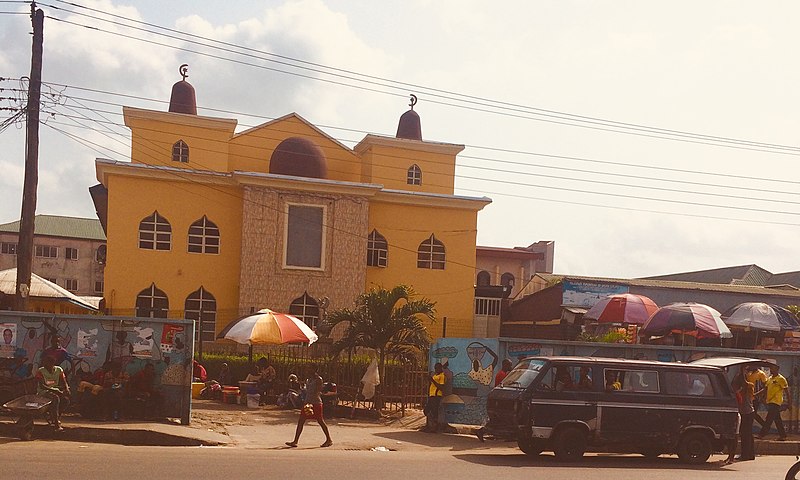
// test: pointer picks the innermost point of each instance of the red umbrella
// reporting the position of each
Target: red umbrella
(622, 308)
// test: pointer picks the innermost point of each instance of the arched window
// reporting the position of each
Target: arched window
(180, 152)
(377, 250)
(100, 254)
(306, 309)
(484, 279)
(430, 254)
(152, 302)
(414, 176)
(507, 280)
(201, 307)
(204, 236)
(155, 233)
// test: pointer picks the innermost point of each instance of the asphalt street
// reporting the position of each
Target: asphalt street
(72, 460)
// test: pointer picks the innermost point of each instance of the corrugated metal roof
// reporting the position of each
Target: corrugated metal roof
(40, 288)
(59, 226)
(645, 282)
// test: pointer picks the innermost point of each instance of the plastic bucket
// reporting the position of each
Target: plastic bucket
(252, 400)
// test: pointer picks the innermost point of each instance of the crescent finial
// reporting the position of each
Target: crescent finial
(184, 69)
(413, 101)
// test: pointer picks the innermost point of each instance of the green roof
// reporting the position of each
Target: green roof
(58, 226)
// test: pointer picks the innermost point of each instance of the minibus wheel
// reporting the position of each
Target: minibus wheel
(569, 444)
(531, 446)
(695, 447)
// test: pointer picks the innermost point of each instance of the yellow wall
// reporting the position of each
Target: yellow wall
(252, 149)
(130, 270)
(152, 141)
(389, 167)
(404, 228)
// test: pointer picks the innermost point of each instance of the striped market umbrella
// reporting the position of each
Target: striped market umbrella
(266, 327)
(761, 316)
(622, 308)
(693, 319)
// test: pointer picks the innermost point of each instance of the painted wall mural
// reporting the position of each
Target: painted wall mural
(88, 344)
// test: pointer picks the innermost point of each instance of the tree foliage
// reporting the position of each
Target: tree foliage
(387, 321)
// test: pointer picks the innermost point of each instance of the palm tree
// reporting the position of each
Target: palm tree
(387, 321)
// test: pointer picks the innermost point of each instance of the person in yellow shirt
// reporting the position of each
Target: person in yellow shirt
(435, 392)
(758, 378)
(775, 386)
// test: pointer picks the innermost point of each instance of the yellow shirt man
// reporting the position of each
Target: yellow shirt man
(775, 386)
(433, 390)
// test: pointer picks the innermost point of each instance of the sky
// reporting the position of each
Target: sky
(643, 138)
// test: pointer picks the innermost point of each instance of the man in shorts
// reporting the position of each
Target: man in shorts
(312, 409)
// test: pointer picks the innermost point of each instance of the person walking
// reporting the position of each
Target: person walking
(775, 386)
(435, 392)
(312, 409)
(744, 391)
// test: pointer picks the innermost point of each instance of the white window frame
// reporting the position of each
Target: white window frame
(414, 175)
(71, 284)
(9, 248)
(382, 254)
(204, 246)
(45, 251)
(323, 241)
(158, 219)
(182, 155)
(101, 284)
(68, 251)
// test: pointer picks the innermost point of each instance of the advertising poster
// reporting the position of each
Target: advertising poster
(171, 338)
(586, 294)
(87, 342)
(143, 342)
(9, 343)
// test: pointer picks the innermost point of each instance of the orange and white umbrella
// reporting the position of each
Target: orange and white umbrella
(266, 327)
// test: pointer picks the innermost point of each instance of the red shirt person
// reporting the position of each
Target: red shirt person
(503, 372)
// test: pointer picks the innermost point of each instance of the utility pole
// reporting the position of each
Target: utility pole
(31, 182)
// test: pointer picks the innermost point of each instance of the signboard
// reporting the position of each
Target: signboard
(586, 294)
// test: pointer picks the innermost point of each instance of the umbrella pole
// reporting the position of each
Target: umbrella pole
(250, 354)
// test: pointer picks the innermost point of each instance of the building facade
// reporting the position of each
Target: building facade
(67, 251)
(205, 222)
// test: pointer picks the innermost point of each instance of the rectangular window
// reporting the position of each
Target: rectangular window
(8, 248)
(71, 253)
(305, 237)
(637, 381)
(53, 280)
(685, 383)
(71, 284)
(98, 287)
(487, 306)
(46, 251)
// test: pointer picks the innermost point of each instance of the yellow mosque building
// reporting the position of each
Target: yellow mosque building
(207, 222)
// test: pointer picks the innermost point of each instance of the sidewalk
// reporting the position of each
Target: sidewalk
(218, 424)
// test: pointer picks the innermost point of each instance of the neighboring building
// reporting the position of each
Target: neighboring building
(67, 251)
(43, 296)
(501, 273)
(739, 275)
(206, 221)
(555, 310)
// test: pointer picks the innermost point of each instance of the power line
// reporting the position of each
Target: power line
(563, 118)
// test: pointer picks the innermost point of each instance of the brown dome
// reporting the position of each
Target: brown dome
(409, 126)
(298, 157)
(183, 99)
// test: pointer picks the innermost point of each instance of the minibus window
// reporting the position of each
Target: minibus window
(523, 374)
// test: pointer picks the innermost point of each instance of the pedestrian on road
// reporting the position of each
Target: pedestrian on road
(744, 391)
(758, 378)
(52, 383)
(775, 386)
(435, 391)
(312, 409)
(503, 372)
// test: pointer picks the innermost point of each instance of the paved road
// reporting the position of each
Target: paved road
(68, 460)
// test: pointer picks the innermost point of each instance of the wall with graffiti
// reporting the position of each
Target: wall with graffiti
(473, 363)
(470, 365)
(89, 345)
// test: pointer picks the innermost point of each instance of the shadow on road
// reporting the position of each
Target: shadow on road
(589, 461)
(436, 440)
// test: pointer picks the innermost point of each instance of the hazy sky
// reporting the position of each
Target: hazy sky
(644, 138)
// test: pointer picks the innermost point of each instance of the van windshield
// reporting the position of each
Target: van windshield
(523, 374)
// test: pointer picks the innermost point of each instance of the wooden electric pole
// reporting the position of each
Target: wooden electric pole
(27, 218)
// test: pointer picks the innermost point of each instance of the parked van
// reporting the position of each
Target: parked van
(569, 405)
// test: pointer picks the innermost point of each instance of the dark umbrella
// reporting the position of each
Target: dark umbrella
(694, 319)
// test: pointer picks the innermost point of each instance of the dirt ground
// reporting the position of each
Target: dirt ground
(215, 416)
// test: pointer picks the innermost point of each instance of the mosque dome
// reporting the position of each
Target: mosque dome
(298, 157)
(410, 126)
(183, 98)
